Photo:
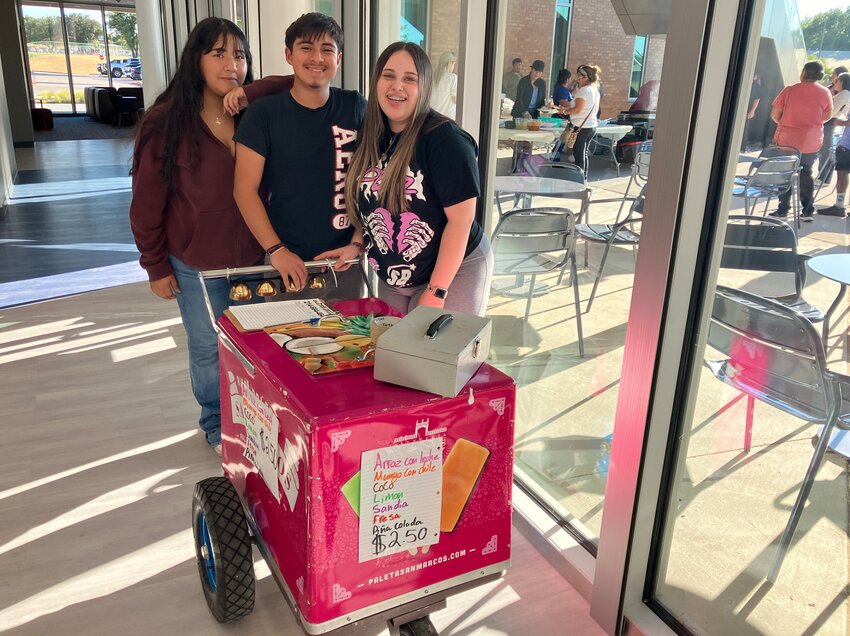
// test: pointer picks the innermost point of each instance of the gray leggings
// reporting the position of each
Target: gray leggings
(468, 292)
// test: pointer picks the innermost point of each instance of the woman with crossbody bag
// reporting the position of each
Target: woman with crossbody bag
(583, 109)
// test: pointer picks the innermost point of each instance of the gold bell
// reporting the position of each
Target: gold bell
(266, 289)
(240, 292)
(316, 281)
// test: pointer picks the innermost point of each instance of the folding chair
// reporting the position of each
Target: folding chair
(620, 232)
(533, 241)
(775, 355)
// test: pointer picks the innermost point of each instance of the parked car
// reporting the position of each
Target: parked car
(129, 66)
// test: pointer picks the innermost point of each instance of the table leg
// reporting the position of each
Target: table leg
(829, 312)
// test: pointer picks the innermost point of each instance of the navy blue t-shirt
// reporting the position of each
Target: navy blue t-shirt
(307, 152)
(443, 172)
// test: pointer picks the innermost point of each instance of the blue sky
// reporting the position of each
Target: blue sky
(808, 8)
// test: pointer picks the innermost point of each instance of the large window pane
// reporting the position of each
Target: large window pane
(737, 555)
(46, 53)
(566, 401)
(87, 50)
(125, 63)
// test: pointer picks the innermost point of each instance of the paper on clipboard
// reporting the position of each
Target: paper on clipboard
(259, 316)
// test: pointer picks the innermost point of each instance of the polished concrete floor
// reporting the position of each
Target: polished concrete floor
(102, 451)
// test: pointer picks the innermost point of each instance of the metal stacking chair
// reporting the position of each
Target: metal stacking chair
(639, 176)
(771, 178)
(620, 232)
(533, 241)
(768, 245)
(775, 355)
(558, 170)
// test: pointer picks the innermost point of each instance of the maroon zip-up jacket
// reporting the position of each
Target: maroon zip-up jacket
(198, 222)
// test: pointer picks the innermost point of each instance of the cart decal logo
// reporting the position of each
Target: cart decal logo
(299, 583)
(498, 405)
(287, 470)
(340, 593)
(423, 427)
(338, 439)
(491, 546)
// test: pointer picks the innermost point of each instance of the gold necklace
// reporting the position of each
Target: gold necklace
(389, 147)
(218, 121)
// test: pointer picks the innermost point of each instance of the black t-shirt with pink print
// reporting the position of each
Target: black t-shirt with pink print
(443, 172)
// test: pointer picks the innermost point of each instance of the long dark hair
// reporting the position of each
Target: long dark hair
(175, 113)
(373, 130)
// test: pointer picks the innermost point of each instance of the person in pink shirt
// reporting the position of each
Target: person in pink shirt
(800, 112)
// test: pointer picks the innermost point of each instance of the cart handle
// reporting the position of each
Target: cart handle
(256, 269)
(265, 269)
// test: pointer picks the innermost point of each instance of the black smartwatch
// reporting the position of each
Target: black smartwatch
(439, 292)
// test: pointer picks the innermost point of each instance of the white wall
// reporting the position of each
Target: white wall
(8, 166)
(275, 17)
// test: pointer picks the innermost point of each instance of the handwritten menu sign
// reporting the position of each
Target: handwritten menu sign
(400, 498)
(261, 430)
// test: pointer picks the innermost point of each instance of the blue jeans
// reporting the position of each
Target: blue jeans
(203, 342)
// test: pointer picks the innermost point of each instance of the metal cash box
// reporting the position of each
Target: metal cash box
(429, 352)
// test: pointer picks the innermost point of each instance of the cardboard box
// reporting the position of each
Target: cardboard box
(442, 364)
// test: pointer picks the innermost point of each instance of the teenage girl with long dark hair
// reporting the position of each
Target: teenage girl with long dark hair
(183, 215)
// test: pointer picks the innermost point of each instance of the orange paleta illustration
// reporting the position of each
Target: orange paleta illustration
(460, 472)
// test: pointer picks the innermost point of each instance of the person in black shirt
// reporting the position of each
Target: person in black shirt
(412, 187)
(297, 146)
(530, 93)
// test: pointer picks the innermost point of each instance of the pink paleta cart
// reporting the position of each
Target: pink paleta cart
(370, 502)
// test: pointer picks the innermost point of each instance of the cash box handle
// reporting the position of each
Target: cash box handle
(439, 323)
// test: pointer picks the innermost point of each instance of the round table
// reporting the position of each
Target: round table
(835, 267)
(612, 133)
(546, 186)
(542, 136)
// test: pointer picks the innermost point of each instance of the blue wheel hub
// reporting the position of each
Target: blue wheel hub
(205, 551)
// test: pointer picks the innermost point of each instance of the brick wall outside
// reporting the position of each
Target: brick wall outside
(654, 58)
(444, 30)
(596, 37)
(529, 35)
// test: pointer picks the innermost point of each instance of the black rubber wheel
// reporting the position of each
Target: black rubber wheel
(420, 627)
(116, 73)
(223, 549)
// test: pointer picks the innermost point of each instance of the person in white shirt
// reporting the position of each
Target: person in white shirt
(583, 110)
(840, 99)
(444, 95)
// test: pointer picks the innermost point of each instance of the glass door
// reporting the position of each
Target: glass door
(47, 56)
(561, 334)
(754, 534)
(86, 50)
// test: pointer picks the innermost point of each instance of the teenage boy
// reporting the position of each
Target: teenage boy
(294, 148)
